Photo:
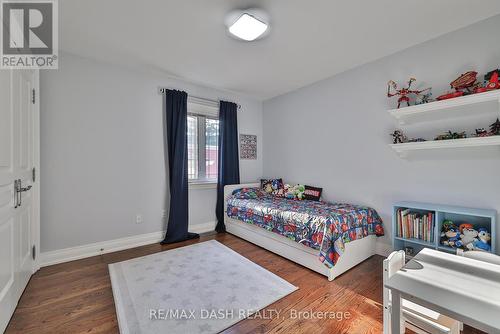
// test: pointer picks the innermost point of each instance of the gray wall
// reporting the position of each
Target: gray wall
(102, 152)
(335, 133)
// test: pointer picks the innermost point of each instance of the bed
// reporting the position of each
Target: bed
(329, 238)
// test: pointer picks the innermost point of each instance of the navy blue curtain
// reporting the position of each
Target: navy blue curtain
(229, 165)
(176, 141)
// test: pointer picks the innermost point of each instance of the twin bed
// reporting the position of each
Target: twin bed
(329, 238)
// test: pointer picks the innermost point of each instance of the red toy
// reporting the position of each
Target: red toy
(465, 81)
(403, 93)
(463, 85)
(493, 80)
(449, 95)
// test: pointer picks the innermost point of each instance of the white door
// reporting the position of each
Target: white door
(19, 193)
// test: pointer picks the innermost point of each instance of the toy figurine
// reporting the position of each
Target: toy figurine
(424, 98)
(449, 95)
(483, 242)
(492, 79)
(416, 140)
(403, 93)
(468, 237)
(451, 237)
(481, 132)
(398, 137)
(495, 128)
(451, 135)
(449, 233)
(464, 225)
(463, 85)
(465, 82)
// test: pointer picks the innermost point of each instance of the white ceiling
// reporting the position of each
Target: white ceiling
(310, 40)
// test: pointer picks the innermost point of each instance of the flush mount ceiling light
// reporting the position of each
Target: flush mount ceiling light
(247, 25)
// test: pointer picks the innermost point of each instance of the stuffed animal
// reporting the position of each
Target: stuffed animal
(449, 231)
(468, 237)
(483, 241)
(464, 225)
(451, 237)
(295, 192)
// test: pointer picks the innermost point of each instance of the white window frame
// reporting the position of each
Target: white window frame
(202, 110)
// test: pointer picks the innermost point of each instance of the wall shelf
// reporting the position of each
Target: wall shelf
(470, 105)
(474, 144)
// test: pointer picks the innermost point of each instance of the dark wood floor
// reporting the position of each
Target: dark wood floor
(76, 297)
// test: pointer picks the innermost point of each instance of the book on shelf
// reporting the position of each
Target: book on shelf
(415, 225)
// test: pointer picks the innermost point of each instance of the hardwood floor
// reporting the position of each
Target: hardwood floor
(76, 297)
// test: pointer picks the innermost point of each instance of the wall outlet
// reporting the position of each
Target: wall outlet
(138, 219)
(163, 214)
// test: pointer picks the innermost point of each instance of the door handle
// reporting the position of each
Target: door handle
(16, 196)
(19, 189)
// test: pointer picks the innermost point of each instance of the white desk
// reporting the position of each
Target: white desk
(464, 289)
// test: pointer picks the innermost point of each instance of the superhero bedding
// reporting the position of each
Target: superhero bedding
(324, 226)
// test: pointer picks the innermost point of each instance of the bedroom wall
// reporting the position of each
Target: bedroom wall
(102, 152)
(335, 133)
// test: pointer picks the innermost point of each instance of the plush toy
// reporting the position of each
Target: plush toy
(451, 237)
(282, 192)
(449, 231)
(483, 241)
(295, 192)
(468, 237)
(268, 188)
(299, 191)
(464, 225)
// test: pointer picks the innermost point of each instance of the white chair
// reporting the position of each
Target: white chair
(417, 318)
(480, 255)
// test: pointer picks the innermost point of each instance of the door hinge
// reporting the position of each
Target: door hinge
(33, 252)
(33, 174)
(33, 96)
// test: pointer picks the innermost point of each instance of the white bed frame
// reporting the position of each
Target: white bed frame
(355, 252)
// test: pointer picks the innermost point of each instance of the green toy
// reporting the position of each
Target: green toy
(295, 192)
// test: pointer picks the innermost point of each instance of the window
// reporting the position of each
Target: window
(203, 147)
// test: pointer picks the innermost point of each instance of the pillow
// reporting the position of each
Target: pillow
(271, 185)
(312, 193)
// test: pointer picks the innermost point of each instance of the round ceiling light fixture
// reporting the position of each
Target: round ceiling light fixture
(248, 25)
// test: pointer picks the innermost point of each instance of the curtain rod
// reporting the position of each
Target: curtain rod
(162, 90)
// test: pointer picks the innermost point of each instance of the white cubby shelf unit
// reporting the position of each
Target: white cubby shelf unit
(477, 217)
(474, 105)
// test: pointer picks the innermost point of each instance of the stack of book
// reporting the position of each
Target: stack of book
(415, 225)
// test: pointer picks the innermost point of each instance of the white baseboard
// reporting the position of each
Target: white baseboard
(109, 246)
(383, 249)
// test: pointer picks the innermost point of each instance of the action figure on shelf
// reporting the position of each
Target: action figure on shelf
(416, 140)
(466, 82)
(463, 85)
(495, 128)
(481, 132)
(451, 135)
(398, 137)
(424, 98)
(492, 79)
(403, 93)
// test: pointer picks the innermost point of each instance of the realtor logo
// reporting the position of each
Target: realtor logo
(29, 34)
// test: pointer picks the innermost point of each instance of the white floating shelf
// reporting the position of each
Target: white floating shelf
(474, 144)
(488, 102)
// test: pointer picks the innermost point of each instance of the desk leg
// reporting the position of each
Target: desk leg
(395, 312)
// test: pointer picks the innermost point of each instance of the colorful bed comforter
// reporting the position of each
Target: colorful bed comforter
(324, 226)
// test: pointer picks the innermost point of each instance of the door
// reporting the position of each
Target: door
(19, 203)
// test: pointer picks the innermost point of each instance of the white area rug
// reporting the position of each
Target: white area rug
(202, 288)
